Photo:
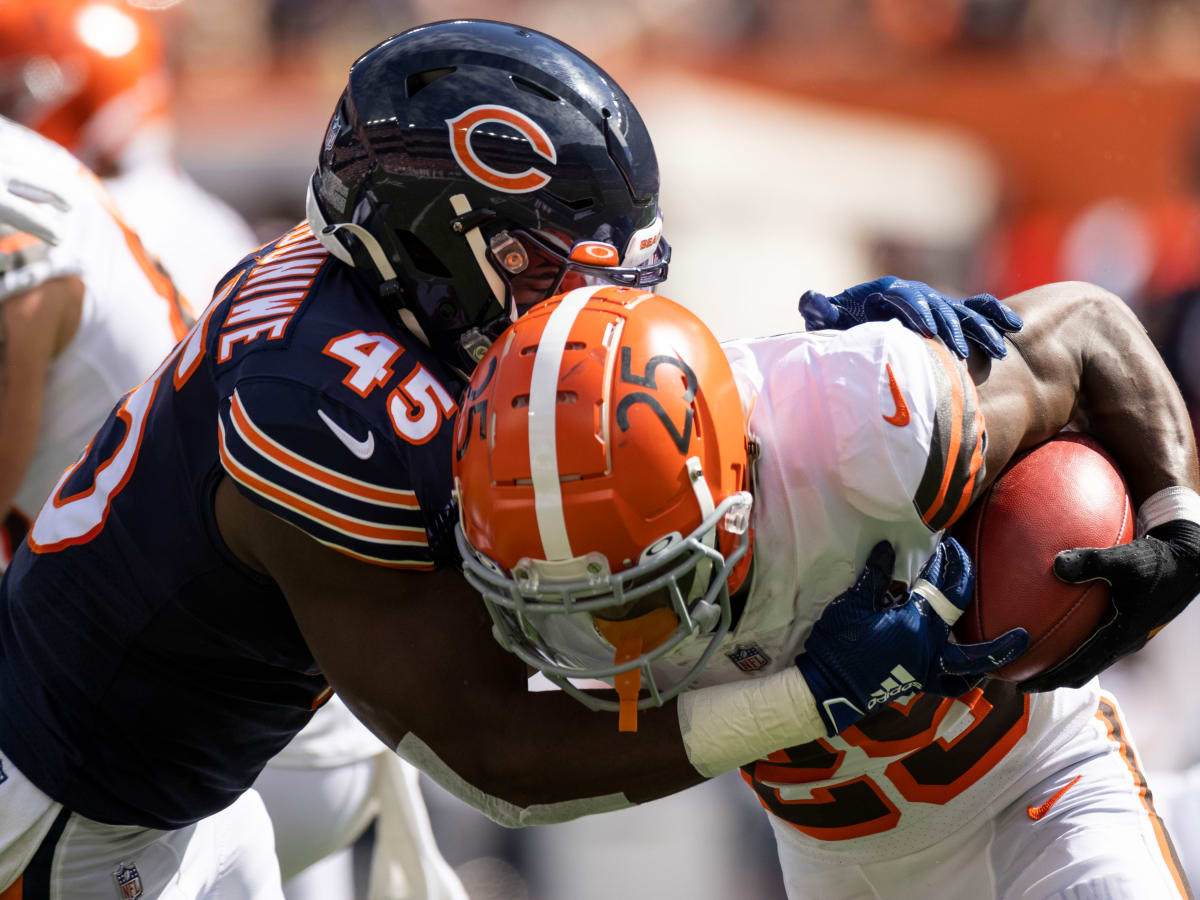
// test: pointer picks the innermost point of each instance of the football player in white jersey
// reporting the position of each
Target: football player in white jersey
(614, 462)
(81, 320)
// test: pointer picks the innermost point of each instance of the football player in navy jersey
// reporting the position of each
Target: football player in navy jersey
(269, 515)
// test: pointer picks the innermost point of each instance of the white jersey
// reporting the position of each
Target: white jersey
(130, 319)
(196, 236)
(867, 435)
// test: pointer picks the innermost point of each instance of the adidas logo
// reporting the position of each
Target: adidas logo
(901, 682)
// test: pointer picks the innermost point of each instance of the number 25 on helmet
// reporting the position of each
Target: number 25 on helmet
(601, 465)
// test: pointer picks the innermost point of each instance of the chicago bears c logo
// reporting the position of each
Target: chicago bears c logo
(464, 125)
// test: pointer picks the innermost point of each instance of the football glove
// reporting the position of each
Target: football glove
(1152, 578)
(981, 319)
(867, 649)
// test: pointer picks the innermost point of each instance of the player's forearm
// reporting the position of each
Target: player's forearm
(541, 757)
(1084, 357)
(555, 760)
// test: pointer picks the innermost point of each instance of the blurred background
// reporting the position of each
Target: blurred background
(973, 144)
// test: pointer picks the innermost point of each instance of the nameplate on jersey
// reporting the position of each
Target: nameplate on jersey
(271, 292)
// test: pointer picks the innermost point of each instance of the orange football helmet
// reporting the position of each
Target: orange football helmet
(601, 466)
(84, 73)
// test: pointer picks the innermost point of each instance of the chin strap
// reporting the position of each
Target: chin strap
(630, 639)
(327, 235)
(475, 241)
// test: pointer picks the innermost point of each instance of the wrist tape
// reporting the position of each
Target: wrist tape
(729, 725)
(1167, 505)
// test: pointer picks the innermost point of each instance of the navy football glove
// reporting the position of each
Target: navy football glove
(863, 651)
(980, 319)
(1153, 578)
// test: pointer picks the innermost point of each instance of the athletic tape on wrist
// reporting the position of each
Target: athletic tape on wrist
(1167, 505)
(729, 725)
(502, 812)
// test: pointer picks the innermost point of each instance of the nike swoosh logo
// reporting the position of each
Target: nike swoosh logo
(900, 417)
(360, 448)
(1036, 812)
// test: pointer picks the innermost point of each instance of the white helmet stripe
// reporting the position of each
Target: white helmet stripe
(543, 401)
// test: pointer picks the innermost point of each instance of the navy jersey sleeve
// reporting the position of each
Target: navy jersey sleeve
(329, 471)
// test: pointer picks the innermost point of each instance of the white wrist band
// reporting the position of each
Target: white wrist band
(729, 725)
(1167, 505)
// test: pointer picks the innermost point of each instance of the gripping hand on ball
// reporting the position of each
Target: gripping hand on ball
(864, 650)
(981, 319)
(1152, 578)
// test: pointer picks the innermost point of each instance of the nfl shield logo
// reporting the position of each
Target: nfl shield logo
(129, 882)
(749, 657)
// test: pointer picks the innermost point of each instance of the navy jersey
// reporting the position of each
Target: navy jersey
(146, 675)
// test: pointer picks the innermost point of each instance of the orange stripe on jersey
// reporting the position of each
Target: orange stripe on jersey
(14, 243)
(973, 471)
(334, 521)
(314, 472)
(14, 891)
(408, 564)
(956, 416)
(177, 304)
(1108, 716)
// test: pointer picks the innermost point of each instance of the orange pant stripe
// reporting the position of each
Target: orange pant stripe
(1107, 714)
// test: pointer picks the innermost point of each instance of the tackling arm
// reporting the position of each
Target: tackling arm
(413, 656)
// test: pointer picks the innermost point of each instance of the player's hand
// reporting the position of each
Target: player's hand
(865, 650)
(28, 204)
(981, 319)
(1152, 578)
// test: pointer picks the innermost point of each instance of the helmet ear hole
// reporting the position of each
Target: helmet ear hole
(420, 254)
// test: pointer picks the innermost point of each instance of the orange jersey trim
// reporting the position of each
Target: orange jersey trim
(956, 417)
(314, 472)
(1106, 713)
(351, 527)
(14, 243)
(407, 564)
(973, 472)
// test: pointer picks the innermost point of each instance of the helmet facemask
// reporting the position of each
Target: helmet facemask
(547, 613)
(601, 464)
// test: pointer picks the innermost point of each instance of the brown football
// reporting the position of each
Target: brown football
(1062, 494)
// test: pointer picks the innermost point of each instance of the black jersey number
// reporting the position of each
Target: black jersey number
(681, 436)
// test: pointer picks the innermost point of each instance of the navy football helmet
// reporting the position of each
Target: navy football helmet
(473, 168)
